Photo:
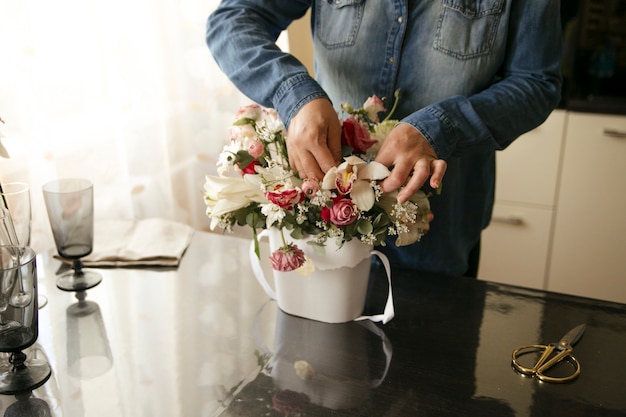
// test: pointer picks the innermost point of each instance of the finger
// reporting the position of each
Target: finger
(294, 163)
(324, 158)
(309, 166)
(334, 144)
(396, 178)
(416, 181)
(438, 167)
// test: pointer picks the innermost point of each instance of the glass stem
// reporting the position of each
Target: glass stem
(17, 359)
(77, 266)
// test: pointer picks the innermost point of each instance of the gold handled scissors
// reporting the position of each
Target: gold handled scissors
(562, 351)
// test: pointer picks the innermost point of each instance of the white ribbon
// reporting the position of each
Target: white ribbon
(385, 317)
(388, 312)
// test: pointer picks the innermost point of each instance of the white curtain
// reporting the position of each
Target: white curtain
(122, 92)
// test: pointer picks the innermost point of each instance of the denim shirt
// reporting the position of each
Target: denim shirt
(474, 75)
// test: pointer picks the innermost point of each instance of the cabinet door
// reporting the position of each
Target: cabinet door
(515, 245)
(589, 247)
(527, 170)
(514, 248)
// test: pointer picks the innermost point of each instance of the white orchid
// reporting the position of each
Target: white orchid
(355, 177)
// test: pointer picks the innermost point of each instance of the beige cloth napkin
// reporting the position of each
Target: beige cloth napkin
(148, 242)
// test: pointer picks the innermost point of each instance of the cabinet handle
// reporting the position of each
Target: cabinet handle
(512, 220)
(614, 133)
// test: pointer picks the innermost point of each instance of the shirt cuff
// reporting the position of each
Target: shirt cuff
(294, 93)
(434, 126)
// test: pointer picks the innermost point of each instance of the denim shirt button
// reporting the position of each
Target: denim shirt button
(400, 19)
(392, 60)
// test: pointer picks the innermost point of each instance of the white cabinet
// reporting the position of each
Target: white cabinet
(515, 246)
(514, 250)
(559, 221)
(589, 248)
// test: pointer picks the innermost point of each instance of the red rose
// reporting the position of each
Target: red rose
(325, 214)
(249, 169)
(356, 136)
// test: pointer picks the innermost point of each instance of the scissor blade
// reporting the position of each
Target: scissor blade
(573, 336)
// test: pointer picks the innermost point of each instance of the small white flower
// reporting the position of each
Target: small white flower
(274, 214)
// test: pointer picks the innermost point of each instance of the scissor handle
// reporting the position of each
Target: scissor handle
(545, 362)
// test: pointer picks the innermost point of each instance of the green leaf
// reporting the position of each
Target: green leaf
(244, 121)
(364, 227)
(257, 251)
(297, 233)
(252, 219)
(244, 159)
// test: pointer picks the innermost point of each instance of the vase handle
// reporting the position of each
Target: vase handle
(258, 270)
(388, 312)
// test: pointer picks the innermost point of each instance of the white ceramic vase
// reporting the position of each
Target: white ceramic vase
(335, 291)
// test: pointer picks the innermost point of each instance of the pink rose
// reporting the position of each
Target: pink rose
(287, 258)
(356, 136)
(343, 212)
(256, 149)
(372, 106)
(285, 199)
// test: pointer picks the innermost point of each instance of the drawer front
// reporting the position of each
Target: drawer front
(515, 246)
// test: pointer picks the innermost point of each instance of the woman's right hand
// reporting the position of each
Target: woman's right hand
(314, 139)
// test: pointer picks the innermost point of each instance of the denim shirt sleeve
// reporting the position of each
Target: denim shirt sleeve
(241, 36)
(527, 90)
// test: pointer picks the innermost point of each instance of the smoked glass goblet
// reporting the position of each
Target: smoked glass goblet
(69, 203)
(16, 199)
(20, 326)
(8, 237)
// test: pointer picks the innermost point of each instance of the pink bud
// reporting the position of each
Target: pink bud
(256, 149)
(310, 187)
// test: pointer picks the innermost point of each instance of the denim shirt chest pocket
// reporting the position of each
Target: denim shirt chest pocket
(468, 28)
(338, 22)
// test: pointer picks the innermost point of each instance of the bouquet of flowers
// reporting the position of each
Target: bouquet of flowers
(256, 187)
